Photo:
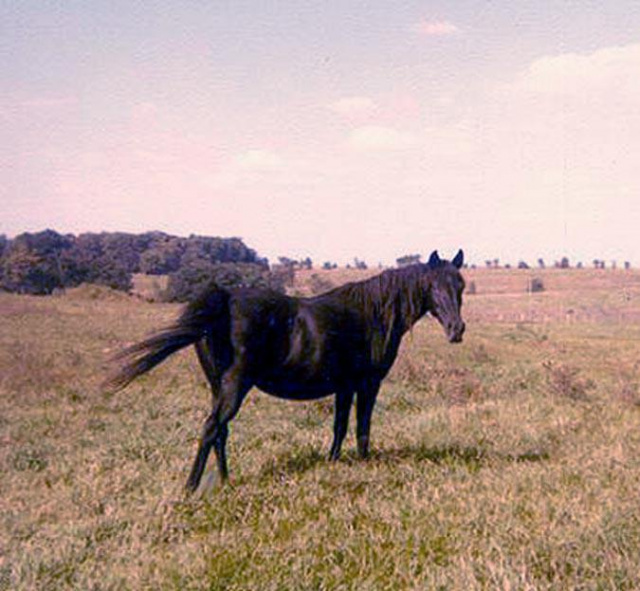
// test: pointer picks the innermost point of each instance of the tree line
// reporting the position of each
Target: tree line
(38, 263)
(563, 263)
(41, 262)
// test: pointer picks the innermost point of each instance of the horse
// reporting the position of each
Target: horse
(342, 342)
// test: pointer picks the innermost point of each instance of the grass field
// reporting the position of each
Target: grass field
(511, 461)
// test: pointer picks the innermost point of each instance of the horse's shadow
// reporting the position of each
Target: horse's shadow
(470, 457)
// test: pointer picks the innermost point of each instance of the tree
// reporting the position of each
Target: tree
(102, 260)
(287, 262)
(408, 259)
(21, 272)
(163, 256)
(38, 263)
(34, 263)
(188, 282)
(358, 264)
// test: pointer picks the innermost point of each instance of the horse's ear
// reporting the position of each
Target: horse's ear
(458, 260)
(434, 259)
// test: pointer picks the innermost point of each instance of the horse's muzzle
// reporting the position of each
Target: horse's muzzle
(455, 332)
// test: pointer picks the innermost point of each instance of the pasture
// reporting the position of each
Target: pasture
(511, 461)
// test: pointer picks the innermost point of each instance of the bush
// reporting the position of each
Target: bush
(407, 259)
(536, 285)
(188, 282)
(565, 382)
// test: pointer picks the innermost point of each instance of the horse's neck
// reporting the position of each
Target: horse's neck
(397, 324)
(410, 308)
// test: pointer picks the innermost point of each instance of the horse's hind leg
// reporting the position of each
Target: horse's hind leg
(209, 435)
(204, 350)
(233, 386)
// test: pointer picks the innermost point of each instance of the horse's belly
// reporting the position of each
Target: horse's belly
(291, 389)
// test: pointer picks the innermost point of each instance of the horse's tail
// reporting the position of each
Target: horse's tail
(206, 315)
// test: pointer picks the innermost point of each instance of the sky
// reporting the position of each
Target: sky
(332, 129)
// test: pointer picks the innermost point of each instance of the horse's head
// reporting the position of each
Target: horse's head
(445, 294)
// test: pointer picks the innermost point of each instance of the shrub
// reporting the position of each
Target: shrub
(536, 285)
(358, 264)
(565, 382)
(407, 259)
(188, 282)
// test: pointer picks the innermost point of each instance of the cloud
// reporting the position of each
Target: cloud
(592, 98)
(435, 28)
(611, 70)
(373, 138)
(354, 107)
(560, 142)
(260, 161)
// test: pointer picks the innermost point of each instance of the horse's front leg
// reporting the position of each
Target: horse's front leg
(364, 407)
(343, 402)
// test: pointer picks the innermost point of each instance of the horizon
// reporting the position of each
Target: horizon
(329, 131)
(488, 262)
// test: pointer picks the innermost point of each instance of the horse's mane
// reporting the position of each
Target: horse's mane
(403, 288)
(393, 299)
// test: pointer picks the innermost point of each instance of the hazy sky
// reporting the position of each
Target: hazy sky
(328, 129)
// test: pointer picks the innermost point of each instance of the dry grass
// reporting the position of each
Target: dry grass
(509, 462)
(150, 287)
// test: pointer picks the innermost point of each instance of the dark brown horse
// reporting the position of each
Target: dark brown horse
(341, 342)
